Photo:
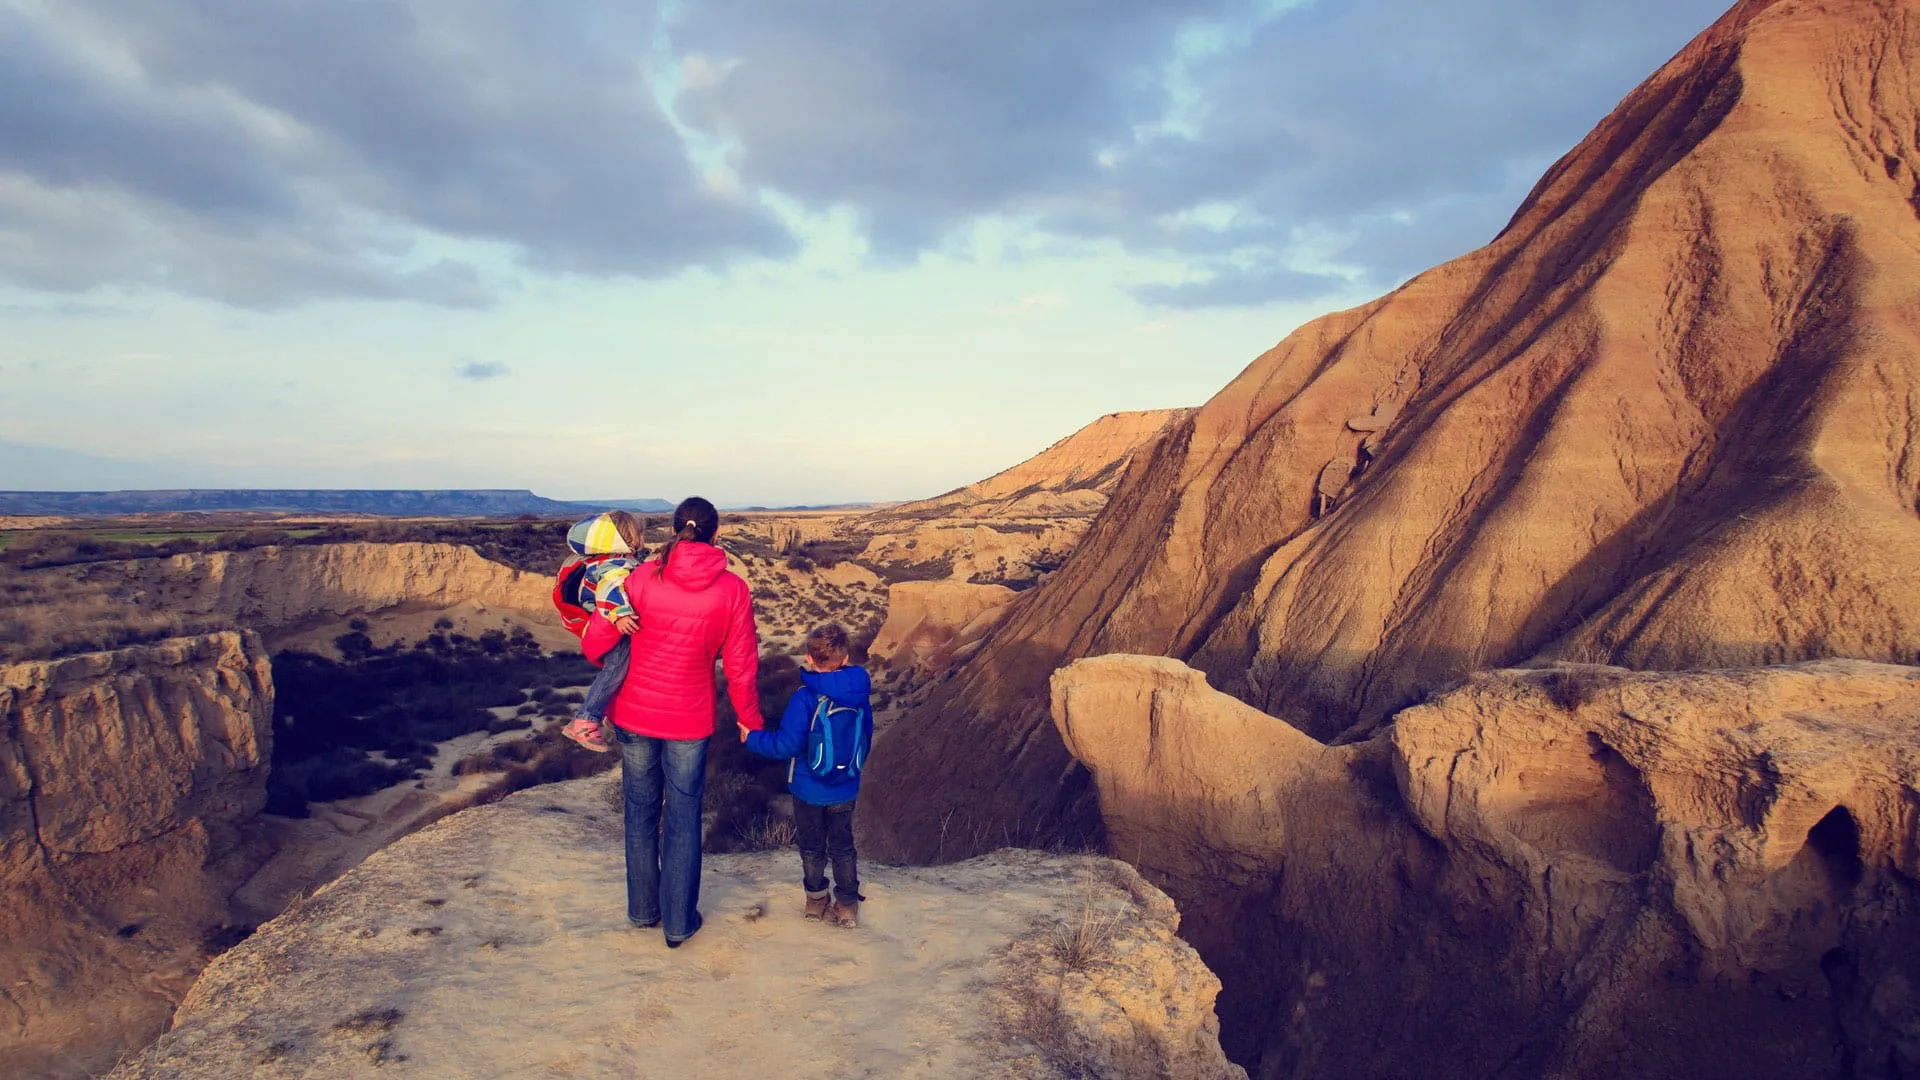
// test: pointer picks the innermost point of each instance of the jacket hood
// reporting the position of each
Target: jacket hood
(597, 536)
(695, 566)
(848, 686)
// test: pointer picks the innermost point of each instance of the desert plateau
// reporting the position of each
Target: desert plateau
(1513, 676)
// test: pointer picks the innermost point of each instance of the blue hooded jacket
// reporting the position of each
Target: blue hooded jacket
(848, 686)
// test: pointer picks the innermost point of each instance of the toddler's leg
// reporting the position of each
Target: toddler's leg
(613, 673)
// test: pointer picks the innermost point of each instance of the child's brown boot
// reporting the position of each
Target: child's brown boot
(842, 914)
(817, 905)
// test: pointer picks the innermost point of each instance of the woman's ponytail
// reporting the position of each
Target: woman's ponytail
(694, 519)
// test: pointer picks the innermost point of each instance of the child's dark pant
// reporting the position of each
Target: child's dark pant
(826, 833)
(613, 672)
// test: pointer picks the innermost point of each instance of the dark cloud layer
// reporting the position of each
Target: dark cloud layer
(270, 151)
(1382, 135)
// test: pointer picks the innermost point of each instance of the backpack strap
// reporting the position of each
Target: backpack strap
(827, 755)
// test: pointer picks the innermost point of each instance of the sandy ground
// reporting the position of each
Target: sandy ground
(496, 944)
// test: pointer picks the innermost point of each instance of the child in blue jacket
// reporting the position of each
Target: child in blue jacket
(826, 730)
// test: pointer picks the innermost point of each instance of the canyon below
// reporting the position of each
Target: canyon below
(1517, 676)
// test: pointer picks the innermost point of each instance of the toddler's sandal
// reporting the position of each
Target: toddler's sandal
(586, 734)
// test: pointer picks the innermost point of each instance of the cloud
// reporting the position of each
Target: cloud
(1033, 303)
(1259, 143)
(482, 371)
(270, 151)
(923, 116)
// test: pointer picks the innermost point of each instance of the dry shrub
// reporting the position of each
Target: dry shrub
(1031, 985)
(54, 613)
(770, 832)
(1575, 686)
(554, 761)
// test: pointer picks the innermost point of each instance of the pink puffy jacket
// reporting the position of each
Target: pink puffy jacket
(698, 611)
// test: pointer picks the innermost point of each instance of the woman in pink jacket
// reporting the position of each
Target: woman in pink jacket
(692, 610)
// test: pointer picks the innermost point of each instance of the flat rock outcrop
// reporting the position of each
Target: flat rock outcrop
(928, 622)
(1570, 872)
(123, 776)
(1668, 419)
(496, 942)
(1073, 477)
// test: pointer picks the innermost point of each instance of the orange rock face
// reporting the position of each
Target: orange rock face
(1073, 477)
(927, 620)
(1579, 872)
(123, 778)
(1668, 419)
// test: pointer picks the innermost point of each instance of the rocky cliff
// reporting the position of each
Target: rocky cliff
(123, 776)
(1669, 418)
(274, 587)
(296, 597)
(1577, 872)
(1073, 477)
(495, 942)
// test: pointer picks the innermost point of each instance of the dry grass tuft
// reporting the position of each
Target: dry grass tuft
(768, 833)
(1084, 939)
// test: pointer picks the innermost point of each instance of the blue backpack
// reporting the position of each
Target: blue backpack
(838, 740)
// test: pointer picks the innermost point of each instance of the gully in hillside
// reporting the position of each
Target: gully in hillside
(691, 610)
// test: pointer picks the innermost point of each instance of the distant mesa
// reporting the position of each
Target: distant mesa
(482, 502)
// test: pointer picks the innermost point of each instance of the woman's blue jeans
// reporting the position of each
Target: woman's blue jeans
(663, 865)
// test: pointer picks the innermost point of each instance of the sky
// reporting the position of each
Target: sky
(764, 251)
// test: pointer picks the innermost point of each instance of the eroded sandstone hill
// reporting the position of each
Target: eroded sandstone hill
(1074, 476)
(1668, 419)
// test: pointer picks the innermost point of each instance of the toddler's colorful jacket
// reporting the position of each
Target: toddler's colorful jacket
(608, 561)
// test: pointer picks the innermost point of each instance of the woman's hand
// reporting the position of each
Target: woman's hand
(742, 728)
(627, 625)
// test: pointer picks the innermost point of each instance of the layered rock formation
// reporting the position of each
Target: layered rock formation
(123, 776)
(1670, 418)
(274, 587)
(297, 597)
(495, 942)
(1572, 872)
(933, 623)
(1073, 477)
